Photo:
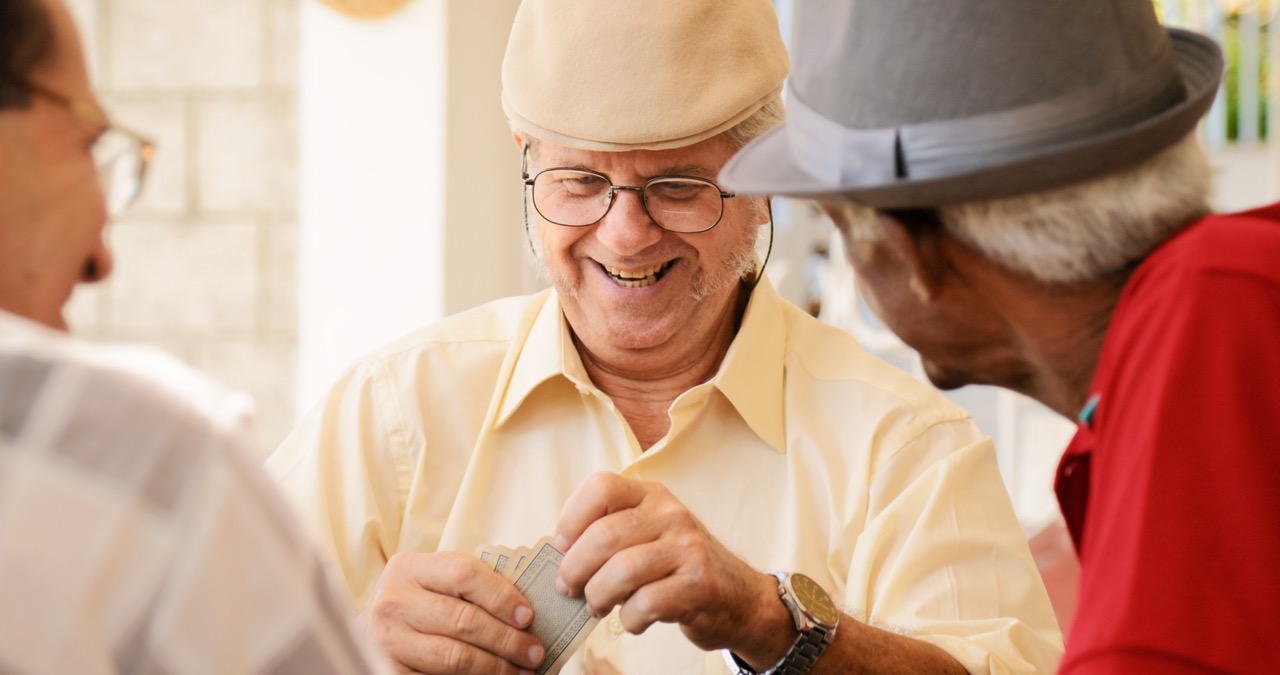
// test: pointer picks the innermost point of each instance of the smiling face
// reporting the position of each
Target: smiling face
(52, 213)
(629, 287)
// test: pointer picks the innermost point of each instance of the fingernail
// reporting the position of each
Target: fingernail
(535, 654)
(562, 542)
(523, 615)
(562, 587)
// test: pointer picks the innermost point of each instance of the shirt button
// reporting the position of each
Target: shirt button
(615, 626)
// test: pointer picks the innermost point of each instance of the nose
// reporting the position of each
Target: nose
(627, 228)
(99, 263)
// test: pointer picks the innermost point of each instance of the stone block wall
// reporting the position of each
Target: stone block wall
(206, 261)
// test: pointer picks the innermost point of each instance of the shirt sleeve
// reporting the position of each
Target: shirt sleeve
(942, 552)
(341, 469)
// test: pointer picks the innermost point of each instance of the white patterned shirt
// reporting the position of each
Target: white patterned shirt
(138, 535)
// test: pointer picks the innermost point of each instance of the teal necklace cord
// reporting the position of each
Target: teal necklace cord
(768, 251)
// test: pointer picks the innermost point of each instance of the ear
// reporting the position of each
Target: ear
(519, 139)
(914, 236)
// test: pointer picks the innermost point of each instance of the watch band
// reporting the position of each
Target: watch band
(803, 654)
(738, 667)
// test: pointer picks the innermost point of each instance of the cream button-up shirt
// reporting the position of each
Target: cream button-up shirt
(803, 453)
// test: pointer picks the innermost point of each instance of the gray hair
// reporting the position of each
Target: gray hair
(1081, 232)
(770, 115)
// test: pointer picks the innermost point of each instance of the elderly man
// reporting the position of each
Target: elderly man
(678, 427)
(1035, 215)
(136, 533)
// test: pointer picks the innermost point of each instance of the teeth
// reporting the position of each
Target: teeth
(623, 274)
(640, 279)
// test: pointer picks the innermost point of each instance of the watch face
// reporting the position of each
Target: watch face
(814, 599)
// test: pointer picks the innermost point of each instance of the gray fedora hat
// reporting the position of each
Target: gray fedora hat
(912, 103)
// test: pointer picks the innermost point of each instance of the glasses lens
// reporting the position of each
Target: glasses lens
(683, 204)
(122, 162)
(571, 197)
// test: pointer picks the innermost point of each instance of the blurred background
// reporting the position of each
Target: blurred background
(334, 173)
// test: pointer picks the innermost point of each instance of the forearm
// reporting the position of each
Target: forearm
(856, 647)
(859, 648)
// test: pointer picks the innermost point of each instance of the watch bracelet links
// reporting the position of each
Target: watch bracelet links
(798, 660)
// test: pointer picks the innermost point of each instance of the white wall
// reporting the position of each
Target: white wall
(205, 260)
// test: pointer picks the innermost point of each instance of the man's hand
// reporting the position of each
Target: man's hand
(446, 613)
(633, 544)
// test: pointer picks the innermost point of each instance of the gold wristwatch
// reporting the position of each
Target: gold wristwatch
(815, 617)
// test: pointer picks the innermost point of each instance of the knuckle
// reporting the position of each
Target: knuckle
(639, 612)
(457, 657)
(642, 605)
(630, 566)
(610, 535)
(384, 608)
(678, 515)
(466, 617)
(511, 644)
(453, 656)
(601, 483)
(694, 546)
(461, 569)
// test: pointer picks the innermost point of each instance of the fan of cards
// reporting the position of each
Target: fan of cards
(560, 623)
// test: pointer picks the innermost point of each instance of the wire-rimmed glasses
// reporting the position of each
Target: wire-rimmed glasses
(122, 156)
(579, 197)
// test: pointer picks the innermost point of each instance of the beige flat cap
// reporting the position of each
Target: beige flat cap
(639, 74)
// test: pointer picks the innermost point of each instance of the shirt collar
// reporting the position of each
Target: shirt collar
(548, 352)
(757, 394)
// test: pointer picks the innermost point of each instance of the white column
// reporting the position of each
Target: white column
(371, 183)
(409, 182)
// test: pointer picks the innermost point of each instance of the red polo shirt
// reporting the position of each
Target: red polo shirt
(1171, 490)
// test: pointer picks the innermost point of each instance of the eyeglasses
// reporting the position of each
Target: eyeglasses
(122, 156)
(579, 197)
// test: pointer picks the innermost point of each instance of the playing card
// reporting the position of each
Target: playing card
(522, 556)
(560, 623)
(501, 563)
(516, 565)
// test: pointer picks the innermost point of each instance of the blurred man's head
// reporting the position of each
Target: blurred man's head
(652, 96)
(58, 152)
(1047, 144)
(1070, 237)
